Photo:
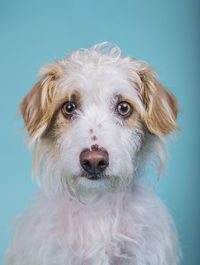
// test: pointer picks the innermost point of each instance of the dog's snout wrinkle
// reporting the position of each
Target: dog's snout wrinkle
(94, 161)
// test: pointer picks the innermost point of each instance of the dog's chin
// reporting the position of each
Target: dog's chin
(85, 186)
(93, 181)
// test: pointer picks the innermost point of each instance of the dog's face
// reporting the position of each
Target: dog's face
(89, 115)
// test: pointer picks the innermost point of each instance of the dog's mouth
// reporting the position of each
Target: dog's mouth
(93, 177)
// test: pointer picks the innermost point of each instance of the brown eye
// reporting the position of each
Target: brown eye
(124, 109)
(68, 109)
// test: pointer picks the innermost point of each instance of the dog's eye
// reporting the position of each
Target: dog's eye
(68, 109)
(124, 109)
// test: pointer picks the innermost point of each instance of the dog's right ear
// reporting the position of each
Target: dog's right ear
(35, 107)
(160, 105)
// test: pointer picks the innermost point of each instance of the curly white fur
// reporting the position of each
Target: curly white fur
(113, 220)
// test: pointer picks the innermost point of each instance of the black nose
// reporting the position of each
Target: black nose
(94, 161)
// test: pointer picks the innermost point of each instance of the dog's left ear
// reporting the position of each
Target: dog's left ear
(160, 105)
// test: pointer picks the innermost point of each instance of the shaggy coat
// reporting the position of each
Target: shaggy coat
(93, 100)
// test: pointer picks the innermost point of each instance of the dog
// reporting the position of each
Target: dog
(94, 120)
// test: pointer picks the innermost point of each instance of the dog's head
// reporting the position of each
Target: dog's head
(90, 116)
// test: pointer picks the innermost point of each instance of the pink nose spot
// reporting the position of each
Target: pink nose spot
(91, 131)
(94, 138)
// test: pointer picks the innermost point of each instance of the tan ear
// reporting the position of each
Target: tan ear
(35, 106)
(160, 105)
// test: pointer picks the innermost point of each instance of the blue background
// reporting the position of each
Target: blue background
(164, 33)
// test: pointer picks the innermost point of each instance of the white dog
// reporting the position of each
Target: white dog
(94, 119)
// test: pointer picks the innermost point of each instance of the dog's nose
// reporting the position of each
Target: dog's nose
(94, 161)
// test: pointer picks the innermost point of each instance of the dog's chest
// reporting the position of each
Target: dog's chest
(106, 233)
(122, 229)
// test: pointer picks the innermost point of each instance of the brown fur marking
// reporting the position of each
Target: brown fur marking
(160, 105)
(134, 120)
(35, 106)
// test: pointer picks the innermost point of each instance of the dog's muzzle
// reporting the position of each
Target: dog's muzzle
(94, 161)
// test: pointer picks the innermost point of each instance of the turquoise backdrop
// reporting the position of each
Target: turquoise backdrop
(164, 33)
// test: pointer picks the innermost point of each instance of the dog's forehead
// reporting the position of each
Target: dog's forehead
(100, 82)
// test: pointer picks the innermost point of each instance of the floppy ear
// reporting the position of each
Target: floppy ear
(35, 106)
(160, 105)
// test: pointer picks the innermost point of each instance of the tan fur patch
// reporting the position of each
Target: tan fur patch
(36, 107)
(134, 120)
(160, 105)
(59, 124)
